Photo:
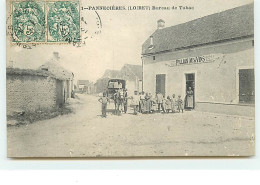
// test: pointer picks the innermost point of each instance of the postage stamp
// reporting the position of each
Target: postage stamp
(63, 21)
(28, 21)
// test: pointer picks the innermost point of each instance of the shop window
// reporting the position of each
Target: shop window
(246, 86)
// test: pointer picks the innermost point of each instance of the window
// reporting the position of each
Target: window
(153, 57)
(160, 83)
(246, 86)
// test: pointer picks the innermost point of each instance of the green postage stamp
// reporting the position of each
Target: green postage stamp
(63, 21)
(46, 21)
(28, 21)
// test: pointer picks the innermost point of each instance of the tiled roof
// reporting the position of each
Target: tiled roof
(127, 72)
(135, 70)
(112, 74)
(227, 25)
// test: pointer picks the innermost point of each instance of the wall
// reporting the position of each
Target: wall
(101, 85)
(59, 93)
(215, 82)
(30, 93)
(131, 87)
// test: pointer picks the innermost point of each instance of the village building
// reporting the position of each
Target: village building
(90, 88)
(45, 88)
(82, 85)
(57, 70)
(29, 90)
(85, 86)
(212, 55)
(132, 74)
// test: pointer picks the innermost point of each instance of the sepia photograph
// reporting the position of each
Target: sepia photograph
(129, 79)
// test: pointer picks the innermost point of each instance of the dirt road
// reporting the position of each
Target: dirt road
(85, 134)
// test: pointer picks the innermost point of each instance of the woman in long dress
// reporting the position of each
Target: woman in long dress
(147, 104)
(189, 99)
(173, 102)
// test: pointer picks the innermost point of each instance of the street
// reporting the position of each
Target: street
(85, 133)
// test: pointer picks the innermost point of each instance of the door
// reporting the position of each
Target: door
(190, 83)
(246, 86)
(160, 83)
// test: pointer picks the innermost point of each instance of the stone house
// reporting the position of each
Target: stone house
(29, 90)
(66, 77)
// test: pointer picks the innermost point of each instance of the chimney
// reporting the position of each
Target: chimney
(56, 56)
(160, 24)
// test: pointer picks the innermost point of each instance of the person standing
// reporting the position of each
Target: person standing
(147, 104)
(173, 101)
(135, 102)
(189, 104)
(168, 106)
(103, 100)
(180, 104)
(142, 102)
(159, 98)
(125, 100)
(117, 101)
(115, 97)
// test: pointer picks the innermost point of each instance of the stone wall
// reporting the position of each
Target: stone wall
(30, 93)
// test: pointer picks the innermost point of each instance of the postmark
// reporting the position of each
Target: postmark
(28, 21)
(63, 21)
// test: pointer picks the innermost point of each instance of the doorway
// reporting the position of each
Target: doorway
(246, 86)
(190, 82)
(160, 84)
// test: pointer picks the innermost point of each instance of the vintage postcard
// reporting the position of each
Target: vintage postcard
(130, 78)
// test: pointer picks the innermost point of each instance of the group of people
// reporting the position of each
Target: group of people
(120, 98)
(146, 103)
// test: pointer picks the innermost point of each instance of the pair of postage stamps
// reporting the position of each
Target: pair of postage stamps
(45, 21)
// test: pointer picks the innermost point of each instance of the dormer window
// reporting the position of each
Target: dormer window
(151, 46)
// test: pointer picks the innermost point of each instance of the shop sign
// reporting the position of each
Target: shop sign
(195, 60)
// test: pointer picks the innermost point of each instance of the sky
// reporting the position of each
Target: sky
(121, 37)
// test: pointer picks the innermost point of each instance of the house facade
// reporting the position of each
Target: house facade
(82, 85)
(213, 55)
(66, 77)
(47, 87)
(30, 90)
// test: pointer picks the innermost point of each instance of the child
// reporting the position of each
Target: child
(168, 104)
(103, 100)
(180, 104)
(135, 102)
